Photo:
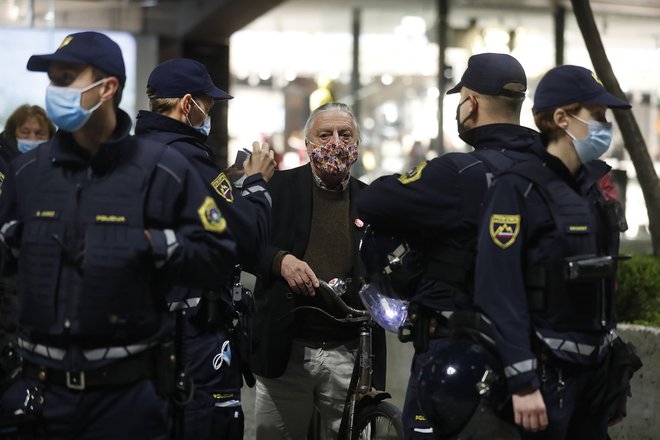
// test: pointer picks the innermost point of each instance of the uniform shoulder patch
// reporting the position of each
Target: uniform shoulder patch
(210, 215)
(504, 229)
(222, 186)
(413, 174)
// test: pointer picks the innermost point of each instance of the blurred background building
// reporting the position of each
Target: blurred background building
(281, 58)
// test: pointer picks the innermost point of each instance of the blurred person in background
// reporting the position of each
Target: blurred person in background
(27, 127)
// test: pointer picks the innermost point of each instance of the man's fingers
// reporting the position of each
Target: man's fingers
(543, 420)
(312, 276)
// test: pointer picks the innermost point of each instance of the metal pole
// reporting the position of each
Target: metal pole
(355, 74)
(560, 24)
(443, 10)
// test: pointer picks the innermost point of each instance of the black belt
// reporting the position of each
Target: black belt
(121, 372)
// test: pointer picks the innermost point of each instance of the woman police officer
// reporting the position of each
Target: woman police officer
(546, 264)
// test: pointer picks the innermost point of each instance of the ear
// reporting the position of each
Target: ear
(474, 104)
(560, 118)
(186, 104)
(109, 88)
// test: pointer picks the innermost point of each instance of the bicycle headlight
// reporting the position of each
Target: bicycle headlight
(389, 313)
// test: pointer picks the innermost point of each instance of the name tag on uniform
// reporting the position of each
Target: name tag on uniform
(103, 218)
(577, 229)
(43, 213)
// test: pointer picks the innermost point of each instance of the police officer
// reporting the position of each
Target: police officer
(439, 201)
(546, 267)
(181, 94)
(104, 224)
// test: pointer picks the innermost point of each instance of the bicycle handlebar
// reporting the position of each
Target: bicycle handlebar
(335, 295)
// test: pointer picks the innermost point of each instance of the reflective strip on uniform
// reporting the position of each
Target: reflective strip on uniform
(42, 350)
(569, 346)
(96, 354)
(182, 305)
(424, 430)
(255, 189)
(228, 404)
(99, 354)
(172, 243)
(520, 367)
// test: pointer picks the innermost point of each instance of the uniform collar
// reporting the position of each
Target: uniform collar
(154, 122)
(498, 136)
(65, 149)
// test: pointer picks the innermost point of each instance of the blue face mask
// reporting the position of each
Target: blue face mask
(25, 145)
(205, 128)
(64, 108)
(597, 141)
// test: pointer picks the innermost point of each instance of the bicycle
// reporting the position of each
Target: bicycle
(366, 413)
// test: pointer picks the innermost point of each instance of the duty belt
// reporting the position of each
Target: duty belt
(121, 372)
(92, 355)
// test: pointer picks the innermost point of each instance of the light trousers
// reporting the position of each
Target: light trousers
(315, 379)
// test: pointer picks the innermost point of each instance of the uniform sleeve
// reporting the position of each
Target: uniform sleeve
(247, 210)
(426, 196)
(254, 195)
(499, 285)
(190, 236)
(10, 223)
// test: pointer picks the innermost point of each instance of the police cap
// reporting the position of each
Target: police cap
(87, 48)
(568, 84)
(179, 76)
(488, 73)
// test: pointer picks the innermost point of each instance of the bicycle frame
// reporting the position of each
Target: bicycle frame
(360, 391)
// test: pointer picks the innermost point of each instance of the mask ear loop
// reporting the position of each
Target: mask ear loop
(90, 87)
(475, 106)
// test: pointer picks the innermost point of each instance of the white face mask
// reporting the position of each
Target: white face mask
(597, 141)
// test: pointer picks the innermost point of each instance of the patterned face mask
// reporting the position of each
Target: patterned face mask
(333, 158)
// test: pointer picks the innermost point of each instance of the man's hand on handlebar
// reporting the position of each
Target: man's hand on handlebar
(299, 276)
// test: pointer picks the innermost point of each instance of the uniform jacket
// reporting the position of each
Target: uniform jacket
(291, 191)
(440, 199)
(189, 243)
(247, 210)
(525, 227)
(8, 152)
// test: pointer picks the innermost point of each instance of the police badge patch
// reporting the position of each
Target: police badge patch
(412, 174)
(504, 229)
(222, 186)
(210, 215)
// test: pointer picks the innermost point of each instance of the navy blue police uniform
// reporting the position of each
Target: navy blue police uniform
(549, 331)
(545, 277)
(440, 199)
(97, 242)
(438, 202)
(8, 152)
(212, 355)
(216, 352)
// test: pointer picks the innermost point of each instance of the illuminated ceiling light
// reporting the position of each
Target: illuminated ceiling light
(411, 26)
(13, 11)
(433, 92)
(369, 161)
(49, 16)
(290, 75)
(264, 75)
(387, 79)
(496, 40)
